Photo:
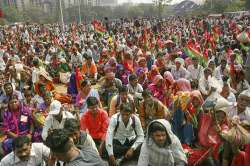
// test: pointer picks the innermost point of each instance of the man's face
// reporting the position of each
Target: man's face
(58, 116)
(207, 74)
(243, 102)
(89, 61)
(223, 64)
(211, 65)
(124, 96)
(125, 116)
(23, 153)
(93, 109)
(8, 89)
(160, 138)
(195, 62)
(134, 82)
(178, 65)
(148, 100)
(75, 135)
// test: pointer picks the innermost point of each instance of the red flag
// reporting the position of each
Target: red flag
(98, 26)
(1, 13)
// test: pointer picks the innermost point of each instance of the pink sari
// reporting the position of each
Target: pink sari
(158, 91)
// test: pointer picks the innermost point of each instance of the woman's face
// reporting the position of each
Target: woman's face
(196, 102)
(86, 89)
(160, 138)
(159, 83)
(220, 116)
(14, 104)
(142, 63)
(42, 79)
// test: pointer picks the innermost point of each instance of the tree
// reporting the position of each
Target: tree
(12, 14)
(160, 5)
(247, 4)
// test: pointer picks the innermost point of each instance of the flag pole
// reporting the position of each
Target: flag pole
(60, 4)
(79, 11)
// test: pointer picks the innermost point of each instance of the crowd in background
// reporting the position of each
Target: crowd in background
(167, 91)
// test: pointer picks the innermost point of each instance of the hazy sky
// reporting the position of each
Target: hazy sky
(140, 1)
(148, 1)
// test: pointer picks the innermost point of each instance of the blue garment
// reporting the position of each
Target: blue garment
(185, 131)
(72, 87)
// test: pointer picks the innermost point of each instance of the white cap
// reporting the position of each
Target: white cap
(55, 107)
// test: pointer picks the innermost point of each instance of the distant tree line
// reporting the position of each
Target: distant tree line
(38, 15)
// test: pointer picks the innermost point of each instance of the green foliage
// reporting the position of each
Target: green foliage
(12, 14)
(3, 21)
(220, 6)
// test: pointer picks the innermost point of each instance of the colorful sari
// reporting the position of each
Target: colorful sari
(152, 73)
(142, 77)
(169, 83)
(158, 91)
(72, 87)
(182, 128)
(19, 123)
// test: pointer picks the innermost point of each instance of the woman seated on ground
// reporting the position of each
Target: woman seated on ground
(161, 146)
(158, 89)
(211, 125)
(39, 115)
(236, 154)
(45, 84)
(151, 108)
(17, 121)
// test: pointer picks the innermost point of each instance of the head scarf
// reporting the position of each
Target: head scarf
(157, 79)
(183, 84)
(45, 75)
(245, 93)
(180, 60)
(169, 77)
(139, 71)
(112, 61)
(168, 154)
(197, 94)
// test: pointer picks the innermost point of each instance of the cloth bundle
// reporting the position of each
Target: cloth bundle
(237, 135)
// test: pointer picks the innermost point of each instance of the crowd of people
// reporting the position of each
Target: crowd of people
(160, 92)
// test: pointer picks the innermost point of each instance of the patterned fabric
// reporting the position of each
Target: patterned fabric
(18, 123)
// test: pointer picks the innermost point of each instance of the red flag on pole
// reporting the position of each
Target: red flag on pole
(1, 13)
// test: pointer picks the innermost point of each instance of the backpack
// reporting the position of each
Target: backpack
(117, 123)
